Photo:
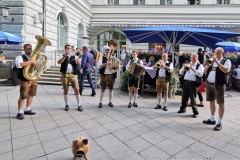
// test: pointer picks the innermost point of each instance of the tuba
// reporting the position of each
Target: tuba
(115, 62)
(33, 72)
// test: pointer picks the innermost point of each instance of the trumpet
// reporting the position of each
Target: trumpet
(187, 66)
(159, 64)
(209, 62)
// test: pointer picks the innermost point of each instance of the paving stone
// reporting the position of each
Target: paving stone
(100, 155)
(127, 122)
(65, 121)
(89, 124)
(46, 126)
(107, 141)
(61, 155)
(218, 144)
(97, 132)
(50, 134)
(203, 149)
(55, 145)
(188, 154)
(105, 120)
(118, 116)
(42, 119)
(169, 147)
(113, 126)
(6, 156)
(124, 134)
(139, 129)
(20, 132)
(22, 124)
(153, 152)
(152, 124)
(182, 139)
(231, 149)
(119, 151)
(153, 137)
(25, 141)
(5, 135)
(134, 157)
(137, 144)
(29, 152)
(5, 146)
(140, 118)
(166, 131)
(71, 128)
(41, 158)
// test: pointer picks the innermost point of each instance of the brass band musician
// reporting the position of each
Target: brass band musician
(163, 77)
(107, 78)
(28, 89)
(216, 84)
(190, 72)
(133, 82)
(69, 71)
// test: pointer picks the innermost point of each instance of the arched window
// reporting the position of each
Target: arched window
(61, 32)
(114, 38)
(80, 35)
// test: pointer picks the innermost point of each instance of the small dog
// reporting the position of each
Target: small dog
(80, 148)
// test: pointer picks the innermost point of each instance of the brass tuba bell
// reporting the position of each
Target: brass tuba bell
(33, 72)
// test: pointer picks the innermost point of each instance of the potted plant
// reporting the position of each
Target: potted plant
(173, 83)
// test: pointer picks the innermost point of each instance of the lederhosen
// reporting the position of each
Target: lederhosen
(107, 80)
(69, 77)
(133, 81)
(163, 82)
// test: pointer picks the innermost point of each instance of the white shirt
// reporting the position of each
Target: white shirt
(212, 74)
(135, 61)
(19, 60)
(237, 73)
(69, 65)
(190, 75)
(107, 70)
(162, 72)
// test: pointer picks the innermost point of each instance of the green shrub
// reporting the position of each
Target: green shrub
(124, 80)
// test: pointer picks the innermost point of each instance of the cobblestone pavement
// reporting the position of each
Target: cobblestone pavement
(114, 133)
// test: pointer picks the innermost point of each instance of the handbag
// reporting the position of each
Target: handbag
(202, 87)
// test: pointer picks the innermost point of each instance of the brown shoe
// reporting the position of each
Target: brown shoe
(200, 105)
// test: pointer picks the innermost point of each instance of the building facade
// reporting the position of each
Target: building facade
(92, 22)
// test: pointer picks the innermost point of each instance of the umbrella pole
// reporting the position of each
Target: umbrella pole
(172, 49)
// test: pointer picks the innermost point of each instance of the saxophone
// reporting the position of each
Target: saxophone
(115, 62)
(33, 72)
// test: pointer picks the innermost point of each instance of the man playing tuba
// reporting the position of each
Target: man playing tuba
(107, 76)
(28, 88)
(163, 77)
